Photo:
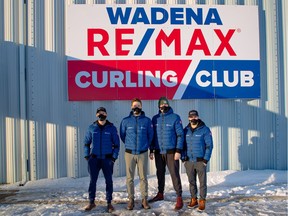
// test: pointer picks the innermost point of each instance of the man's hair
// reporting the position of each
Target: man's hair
(136, 100)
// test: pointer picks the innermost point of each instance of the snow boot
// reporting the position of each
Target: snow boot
(179, 203)
(158, 197)
(145, 204)
(90, 206)
(193, 203)
(201, 205)
(130, 205)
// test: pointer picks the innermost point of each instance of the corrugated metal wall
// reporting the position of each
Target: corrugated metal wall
(41, 131)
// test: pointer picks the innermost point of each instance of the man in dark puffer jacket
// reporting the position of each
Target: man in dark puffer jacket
(136, 132)
(198, 145)
(101, 149)
(166, 147)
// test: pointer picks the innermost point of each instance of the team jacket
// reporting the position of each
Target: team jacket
(136, 132)
(168, 133)
(102, 141)
(198, 143)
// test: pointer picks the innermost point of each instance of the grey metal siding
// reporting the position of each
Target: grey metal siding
(41, 132)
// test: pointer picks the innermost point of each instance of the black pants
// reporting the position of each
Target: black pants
(161, 160)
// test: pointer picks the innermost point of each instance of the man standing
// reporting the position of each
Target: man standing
(166, 147)
(101, 149)
(136, 132)
(197, 151)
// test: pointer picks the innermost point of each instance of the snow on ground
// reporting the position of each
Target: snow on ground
(261, 192)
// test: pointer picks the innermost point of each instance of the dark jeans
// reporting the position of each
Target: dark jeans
(194, 169)
(161, 160)
(94, 167)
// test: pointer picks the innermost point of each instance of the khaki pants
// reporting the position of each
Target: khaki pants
(141, 161)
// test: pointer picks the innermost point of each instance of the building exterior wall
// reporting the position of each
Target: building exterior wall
(41, 132)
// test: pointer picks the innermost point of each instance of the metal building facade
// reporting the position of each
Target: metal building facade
(41, 132)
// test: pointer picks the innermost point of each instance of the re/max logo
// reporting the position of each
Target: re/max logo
(124, 42)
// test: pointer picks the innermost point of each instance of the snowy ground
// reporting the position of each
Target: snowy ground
(229, 193)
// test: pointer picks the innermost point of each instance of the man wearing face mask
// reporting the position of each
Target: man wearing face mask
(166, 148)
(101, 149)
(198, 145)
(136, 132)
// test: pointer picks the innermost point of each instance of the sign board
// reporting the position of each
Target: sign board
(117, 52)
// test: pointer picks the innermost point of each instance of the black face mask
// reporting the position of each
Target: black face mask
(194, 121)
(136, 110)
(165, 109)
(102, 117)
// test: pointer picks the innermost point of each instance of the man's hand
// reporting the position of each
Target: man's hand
(151, 156)
(177, 156)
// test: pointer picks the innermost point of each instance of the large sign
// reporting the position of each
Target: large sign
(117, 52)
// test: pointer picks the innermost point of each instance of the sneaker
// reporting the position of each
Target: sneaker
(193, 203)
(130, 205)
(145, 204)
(158, 197)
(110, 208)
(90, 206)
(179, 203)
(201, 205)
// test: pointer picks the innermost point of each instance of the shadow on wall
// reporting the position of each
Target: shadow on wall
(258, 153)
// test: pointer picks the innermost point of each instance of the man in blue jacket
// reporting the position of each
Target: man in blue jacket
(136, 132)
(166, 148)
(101, 149)
(197, 151)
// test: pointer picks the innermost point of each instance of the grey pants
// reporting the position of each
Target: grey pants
(194, 169)
(141, 161)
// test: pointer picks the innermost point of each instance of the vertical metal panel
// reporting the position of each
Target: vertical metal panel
(3, 97)
(71, 151)
(10, 141)
(248, 134)
(284, 96)
(10, 149)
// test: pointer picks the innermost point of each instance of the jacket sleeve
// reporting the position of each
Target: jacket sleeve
(150, 132)
(184, 150)
(116, 143)
(122, 131)
(87, 142)
(154, 137)
(208, 144)
(180, 135)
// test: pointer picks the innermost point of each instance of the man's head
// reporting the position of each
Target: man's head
(193, 117)
(163, 104)
(136, 106)
(101, 113)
